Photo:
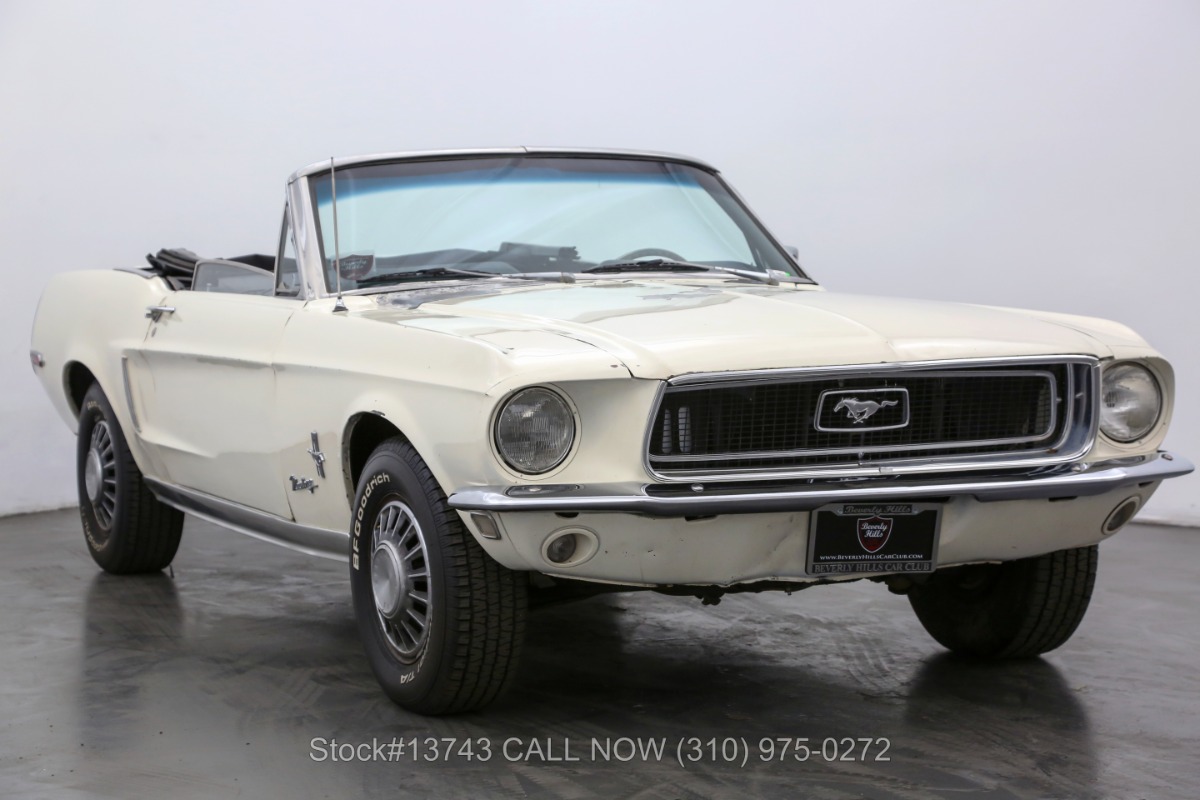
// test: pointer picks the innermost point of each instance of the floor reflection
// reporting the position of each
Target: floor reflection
(131, 626)
(1023, 713)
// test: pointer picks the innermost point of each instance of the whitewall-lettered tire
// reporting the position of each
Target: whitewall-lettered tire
(126, 528)
(442, 623)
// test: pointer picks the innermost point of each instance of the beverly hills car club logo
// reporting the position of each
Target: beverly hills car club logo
(873, 533)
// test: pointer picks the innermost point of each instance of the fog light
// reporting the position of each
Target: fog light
(561, 549)
(1121, 515)
(569, 547)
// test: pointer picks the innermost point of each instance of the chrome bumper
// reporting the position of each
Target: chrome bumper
(680, 500)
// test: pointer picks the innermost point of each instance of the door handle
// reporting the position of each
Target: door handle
(155, 312)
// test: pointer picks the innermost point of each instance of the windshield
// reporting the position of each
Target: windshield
(471, 218)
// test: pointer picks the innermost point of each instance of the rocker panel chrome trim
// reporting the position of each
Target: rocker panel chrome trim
(260, 525)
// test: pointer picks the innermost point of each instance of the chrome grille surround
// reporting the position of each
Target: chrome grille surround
(1065, 421)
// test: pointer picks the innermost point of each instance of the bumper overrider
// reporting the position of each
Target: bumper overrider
(727, 533)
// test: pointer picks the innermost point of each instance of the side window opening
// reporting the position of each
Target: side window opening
(287, 274)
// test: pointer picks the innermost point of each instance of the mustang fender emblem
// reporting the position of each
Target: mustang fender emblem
(317, 456)
(861, 410)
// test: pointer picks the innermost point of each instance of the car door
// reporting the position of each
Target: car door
(206, 386)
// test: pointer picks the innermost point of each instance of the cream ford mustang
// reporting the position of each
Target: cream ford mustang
(492, 377)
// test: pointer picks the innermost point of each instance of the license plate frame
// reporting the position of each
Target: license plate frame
(840, 536)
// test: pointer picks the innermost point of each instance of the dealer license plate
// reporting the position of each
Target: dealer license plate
(868, 537)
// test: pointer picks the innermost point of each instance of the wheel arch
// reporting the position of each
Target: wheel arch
(77, 379)
(364, 432)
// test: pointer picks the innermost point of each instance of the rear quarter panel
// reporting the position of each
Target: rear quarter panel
(94, 318)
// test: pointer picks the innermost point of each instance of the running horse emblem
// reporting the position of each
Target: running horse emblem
(861, 410)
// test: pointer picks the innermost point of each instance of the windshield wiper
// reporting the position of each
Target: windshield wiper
(426, 272)
(453, 272)
(660, 264)
(770, 277)
(649, 264)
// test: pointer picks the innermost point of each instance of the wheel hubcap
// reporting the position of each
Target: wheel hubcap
(91, 476)
(400, 580)
(100, 474)
(387, 579)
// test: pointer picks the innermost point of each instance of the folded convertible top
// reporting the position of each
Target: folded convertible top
(177, 264)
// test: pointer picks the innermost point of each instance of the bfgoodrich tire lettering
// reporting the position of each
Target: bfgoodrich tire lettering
(441, 622)
(1018, 609)
(126, 528)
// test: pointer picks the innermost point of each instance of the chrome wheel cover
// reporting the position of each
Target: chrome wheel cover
(100, 474)
(400, 580)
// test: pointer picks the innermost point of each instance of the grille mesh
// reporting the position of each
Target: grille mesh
(773, 424)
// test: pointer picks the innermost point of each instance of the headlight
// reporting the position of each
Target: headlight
(535, 430)
(1130, 402)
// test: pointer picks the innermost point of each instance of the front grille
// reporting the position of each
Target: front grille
(847, 418)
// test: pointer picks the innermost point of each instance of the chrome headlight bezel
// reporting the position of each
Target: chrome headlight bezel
(512, 429)
(1124, 416)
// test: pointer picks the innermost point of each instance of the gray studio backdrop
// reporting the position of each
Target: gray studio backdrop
(1037, 154)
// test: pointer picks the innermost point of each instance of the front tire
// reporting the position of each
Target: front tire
(126, 528)
(441, 622)
(1019, 609)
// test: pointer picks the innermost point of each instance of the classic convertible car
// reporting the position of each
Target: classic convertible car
(490, 377)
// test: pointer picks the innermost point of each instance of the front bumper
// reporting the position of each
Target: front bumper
(684, 500)
(668, 535)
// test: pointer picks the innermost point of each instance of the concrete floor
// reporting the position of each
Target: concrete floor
(217, 682)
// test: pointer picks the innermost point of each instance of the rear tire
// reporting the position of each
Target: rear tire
(1019, 609)
(126, 528)
(442, 623)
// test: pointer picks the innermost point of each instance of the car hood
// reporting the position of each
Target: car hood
(663, 328)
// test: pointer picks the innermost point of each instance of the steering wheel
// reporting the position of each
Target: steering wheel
(650, 251)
